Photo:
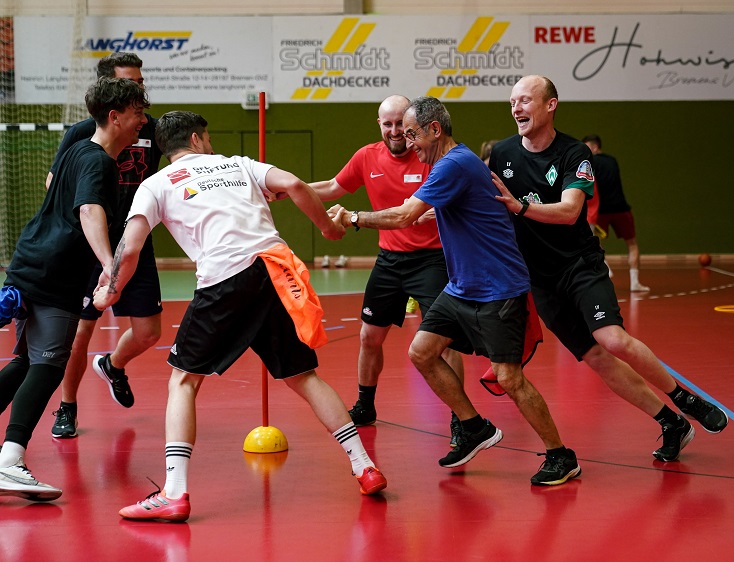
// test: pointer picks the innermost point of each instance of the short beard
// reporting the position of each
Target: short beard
(394, 148)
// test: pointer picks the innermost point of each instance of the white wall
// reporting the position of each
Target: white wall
(274, 7)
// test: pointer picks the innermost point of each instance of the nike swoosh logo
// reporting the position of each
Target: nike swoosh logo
(374, 175)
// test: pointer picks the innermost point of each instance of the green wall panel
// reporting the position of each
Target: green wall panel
(673, 157)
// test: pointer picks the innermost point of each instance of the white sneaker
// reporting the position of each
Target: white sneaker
(341, 262)
(17, 480)
(639, 288)
(325, 262)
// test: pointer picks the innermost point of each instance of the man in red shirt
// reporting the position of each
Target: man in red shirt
(410, 262)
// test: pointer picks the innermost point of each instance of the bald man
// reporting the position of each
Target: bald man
(410, 261)
(545, 177)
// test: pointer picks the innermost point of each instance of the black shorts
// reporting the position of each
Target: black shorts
(397, 276)
(140, 298)
(582, 301)
(224, 320)
(493, 329)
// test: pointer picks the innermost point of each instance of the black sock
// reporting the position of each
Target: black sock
(111, 368)
(679, 395)
(71, 406)
(666, 415)
(473, 425)
(367, 395)
(556, 452)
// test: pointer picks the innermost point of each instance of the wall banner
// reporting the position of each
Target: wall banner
(322, 59)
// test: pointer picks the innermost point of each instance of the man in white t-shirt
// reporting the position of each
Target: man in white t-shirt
(216, 208)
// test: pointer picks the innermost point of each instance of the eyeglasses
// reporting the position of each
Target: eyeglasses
(410, 134)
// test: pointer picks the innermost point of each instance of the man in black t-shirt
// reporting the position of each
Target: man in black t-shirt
(50, 268)
(545, 178)
(141, 300)
(614, 210)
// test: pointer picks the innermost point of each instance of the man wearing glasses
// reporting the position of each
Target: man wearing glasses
(483, 308)
(410, 261)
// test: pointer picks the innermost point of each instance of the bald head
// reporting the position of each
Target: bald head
(390, 119)
(541, 86)
(392, 105)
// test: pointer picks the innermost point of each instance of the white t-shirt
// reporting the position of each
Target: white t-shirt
(215, 208)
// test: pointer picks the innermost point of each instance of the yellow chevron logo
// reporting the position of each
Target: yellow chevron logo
(347, 38)
(483, 33)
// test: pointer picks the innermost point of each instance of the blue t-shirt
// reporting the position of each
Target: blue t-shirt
(483, 260)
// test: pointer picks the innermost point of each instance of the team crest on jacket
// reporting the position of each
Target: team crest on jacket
(585, 171)
(551, 175)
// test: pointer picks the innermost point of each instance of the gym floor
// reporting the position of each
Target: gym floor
(303, 504)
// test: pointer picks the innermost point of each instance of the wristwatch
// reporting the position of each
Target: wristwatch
(354, 219)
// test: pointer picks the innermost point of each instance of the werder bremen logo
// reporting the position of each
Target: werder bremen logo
(552, 175)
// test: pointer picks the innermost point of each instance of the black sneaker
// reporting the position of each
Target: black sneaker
(65, 424)
(469, 444)
(675, 437)
(556, 469)
(712, 418)
(455, 426)
(119, 387)
(361, 415)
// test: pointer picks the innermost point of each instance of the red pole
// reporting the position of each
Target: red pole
(262, 126)
(262, 159)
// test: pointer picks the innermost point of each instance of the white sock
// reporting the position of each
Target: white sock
(352, 444)
(178, 455)
(10, 454)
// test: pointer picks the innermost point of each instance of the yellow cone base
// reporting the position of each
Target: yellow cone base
(265, 439)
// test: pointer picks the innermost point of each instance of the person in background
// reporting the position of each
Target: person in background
(485, 152)
(614, 210)
(410, 263)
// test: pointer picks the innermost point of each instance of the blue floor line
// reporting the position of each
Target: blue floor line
(702, 393)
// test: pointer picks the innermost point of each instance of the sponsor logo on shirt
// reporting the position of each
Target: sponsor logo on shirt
(413, 178)
(190, 193)
(178, 175)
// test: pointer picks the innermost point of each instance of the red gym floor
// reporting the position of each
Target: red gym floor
(304, 505)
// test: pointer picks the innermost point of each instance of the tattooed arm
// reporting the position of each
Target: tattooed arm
(124, 263)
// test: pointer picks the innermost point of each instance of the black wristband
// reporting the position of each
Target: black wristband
(524, 209)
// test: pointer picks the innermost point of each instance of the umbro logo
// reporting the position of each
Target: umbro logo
(374, 175)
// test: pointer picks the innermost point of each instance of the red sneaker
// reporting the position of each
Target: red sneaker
(371, 481)
(158, 506)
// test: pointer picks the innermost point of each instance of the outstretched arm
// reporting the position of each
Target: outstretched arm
(328, 190)
(279, 181)
(566, 211)
(124, 263)
(393, 218)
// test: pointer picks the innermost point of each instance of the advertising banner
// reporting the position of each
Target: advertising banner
(317, 59)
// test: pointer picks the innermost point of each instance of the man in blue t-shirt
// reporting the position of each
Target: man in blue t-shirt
(483, 308)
